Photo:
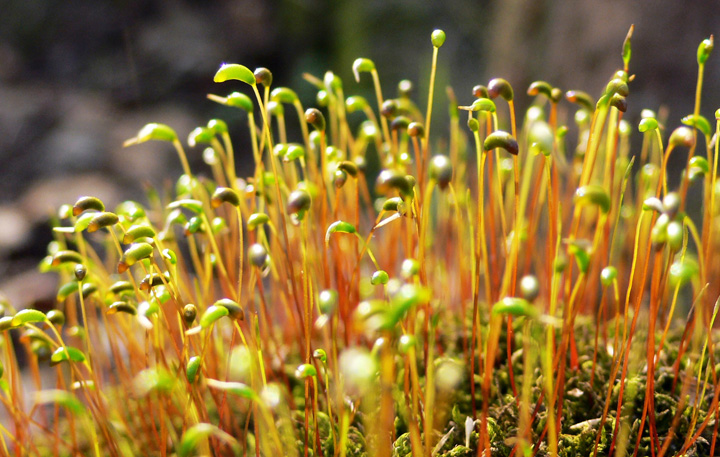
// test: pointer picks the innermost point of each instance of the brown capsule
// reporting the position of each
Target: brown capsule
(480, 91)
(263, 76)
(56, 317)
(392, 179)
(400, 122)
(298, 202)
(80, 271)
(153, 280)
(441, 170)
(87, 203)
(416, 129)
(258, 255)
(339, 178)
(619, 102)
(189, 313)
(314, 117)
(389, 109)
(501, 87)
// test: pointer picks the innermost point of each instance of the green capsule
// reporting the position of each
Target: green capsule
(294, 152)
(61, 398)
(67, 353)
(130, 210)
(193, 368)
(410, 268)
(501, 87)
(200, 432)
(580, 249)
(704, 50)
(407, 297)
(541, 138)
(235, 72)
(593, 194)
(235, 388)
(379, 277)
(212, 315)
(283, 95)
(66, 290)
(235, 100)
(234, 310)
(675, 235)
(671, 204)
(617, 86)
(306, 370)
(648, 123)
(481, 104)
(355, 103)
(6, 323)
(682, 272)
(318, 354)
(348, 167)
(101, 220)
(608, 275)
(501, 139)
(57, 317)
(682, 136)
(27, 316)
(61, 257)
(153, 131)
(134, 253)
(122, 307)
(193, 205)
(515, 306)
(362, 65)
(87, 203)
(699, 122)
(540, 87)
(437, 38)
(119, 287)
(701, 164)
(257, 219)
(406, 343)
(473, 124)
(581, 98)
(200, 135)
(339, 227)
(138, 231)
(327, 301)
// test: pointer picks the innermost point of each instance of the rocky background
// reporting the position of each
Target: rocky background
(77, 77)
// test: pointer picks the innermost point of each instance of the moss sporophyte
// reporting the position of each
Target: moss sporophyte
(374, 289)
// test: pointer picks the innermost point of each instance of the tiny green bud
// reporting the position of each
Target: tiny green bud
(200, 135)
(362, 65)
(473, 124)
(593, 194)
(305, 370)
(355, 103)
(327, 300)
(320, 355)
(437, 38)
(608, 275)
(648, 123)
(704, 50)
(153, 131)
(235, 100)
(514, 306)
(410, 268)
(480, 104)
(193, 368)
(257, 219)
(627, 48)
(379, 277)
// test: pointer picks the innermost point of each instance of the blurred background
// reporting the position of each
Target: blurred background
(78, 77)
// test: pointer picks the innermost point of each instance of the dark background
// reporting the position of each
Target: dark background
(77, 77)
